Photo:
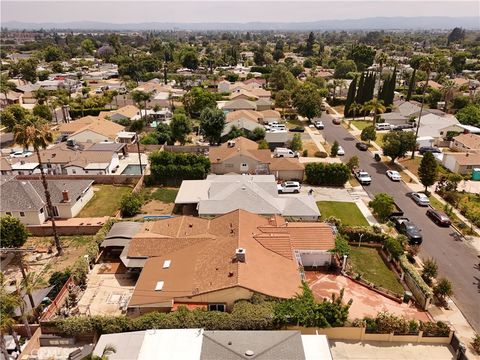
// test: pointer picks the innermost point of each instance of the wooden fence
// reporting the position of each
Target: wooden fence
(98, 179)
(58, 302)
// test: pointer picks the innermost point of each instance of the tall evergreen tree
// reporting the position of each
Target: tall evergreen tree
(350, 97)
(360, 99)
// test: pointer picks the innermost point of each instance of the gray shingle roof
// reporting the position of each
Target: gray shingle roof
(29, 195)
(232, 345)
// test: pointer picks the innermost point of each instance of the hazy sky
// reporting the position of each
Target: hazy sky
(226, 11)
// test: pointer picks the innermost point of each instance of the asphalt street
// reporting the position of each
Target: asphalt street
(457, 260)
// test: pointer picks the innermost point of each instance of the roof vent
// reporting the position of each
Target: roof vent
(166, 264)
(240, 254)
(249, 353)
(159, 286)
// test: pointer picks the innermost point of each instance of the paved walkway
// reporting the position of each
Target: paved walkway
(365, 301)
(316, 137)
(372, 350)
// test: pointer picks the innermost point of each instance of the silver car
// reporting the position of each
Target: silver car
(420, 198)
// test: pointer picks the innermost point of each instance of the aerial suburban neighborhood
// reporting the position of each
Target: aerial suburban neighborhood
(276, 184)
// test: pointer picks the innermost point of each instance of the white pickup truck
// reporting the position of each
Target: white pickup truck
(362, 176)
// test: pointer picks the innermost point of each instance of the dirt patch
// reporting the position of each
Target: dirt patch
(155, 207)
(310, 146)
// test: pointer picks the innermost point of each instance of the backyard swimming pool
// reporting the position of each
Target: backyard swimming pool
(132, 169)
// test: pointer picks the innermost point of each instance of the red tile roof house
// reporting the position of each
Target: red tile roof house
(212, 263)
(242, 156)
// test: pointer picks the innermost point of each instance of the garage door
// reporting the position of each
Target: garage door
(315, 258)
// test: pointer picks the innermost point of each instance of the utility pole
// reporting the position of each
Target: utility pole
(139, 155)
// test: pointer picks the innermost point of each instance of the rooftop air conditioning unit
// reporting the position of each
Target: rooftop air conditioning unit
(240, 254)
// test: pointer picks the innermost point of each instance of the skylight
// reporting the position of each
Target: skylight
(159, 286)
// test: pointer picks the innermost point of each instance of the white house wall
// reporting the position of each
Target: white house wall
(30, 218)
(90, 137)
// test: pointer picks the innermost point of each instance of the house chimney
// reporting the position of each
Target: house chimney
(65, 196)
(240, 255)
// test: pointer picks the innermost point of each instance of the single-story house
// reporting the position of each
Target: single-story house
(215, 262)
(124, 113)
(461, 163)
(242, 156)
(91, 129)
(25, 199)
(195, 344)
(438, 127)
(239, 104)
(466, 143)
(407, 108)
(263, 104)
(220, 194)
(277, 139)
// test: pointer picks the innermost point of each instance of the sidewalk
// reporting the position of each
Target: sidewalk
(317, 138)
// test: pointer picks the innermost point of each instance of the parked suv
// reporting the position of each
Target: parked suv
(289, 187)
(432, 149)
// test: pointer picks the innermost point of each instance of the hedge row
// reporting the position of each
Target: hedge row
(412, 271)
(244, 316)
(76, 113)
(353, 234)
(326, 174)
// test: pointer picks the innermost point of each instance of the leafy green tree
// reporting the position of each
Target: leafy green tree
(382, 205)
(6, 85)
(362, 55)
(308, 100)
(130, 205)
(212, 123)
(235, 132)
(189, 58)
(28, 70)
(341, 246)
(310, 44)
(334, 149)
(428, 170)
(443, 288)
(196, 100)
(397, 143)
(353, 162)
(141, 98)
(257, 134)
(42, 111)
(352, 89)
(296, 143)
(149, 139)
(180, 127)
(282, 100)
(456, 35)
(430, 270)
(163, 134)
(327, 174)
(262, 144)
(469, 115)
(14, 233)
(88, 46)
(376, 106)
(281, 78)
(415, 62)
(368, 134)
(343, 68)
(34, 132)
(394, 247)
(53, 53)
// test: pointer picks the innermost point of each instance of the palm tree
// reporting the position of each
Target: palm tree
(355, 108)
(448, 89)
(31, 282)
(381, 59)
(376, 106)
(42, 96)
(115, 95)
(106, 351)
(141, 98)
(427, 64)
(35, 132)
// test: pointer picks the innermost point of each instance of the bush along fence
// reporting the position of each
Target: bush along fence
(407, 272)
(326, 174)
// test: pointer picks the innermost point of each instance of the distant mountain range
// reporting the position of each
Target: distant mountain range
(373, 23)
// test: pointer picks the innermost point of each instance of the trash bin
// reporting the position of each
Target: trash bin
(407, 296)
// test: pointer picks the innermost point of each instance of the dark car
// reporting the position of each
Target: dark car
(432, 149)
(61, 138)
(439, 217)
(409, 229)
(361, 146)
(337, 121)
(297, 129)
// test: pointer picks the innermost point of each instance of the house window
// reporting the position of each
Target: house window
(22, 214)
(8, 213)
(74, 171)
(55, 212)
(216, 307)
(86, 171)
(41, 211)
(244, 165)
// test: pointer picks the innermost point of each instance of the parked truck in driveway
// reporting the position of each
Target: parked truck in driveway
(408, 228)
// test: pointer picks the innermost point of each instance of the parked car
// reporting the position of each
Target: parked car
(319, 125)
(20, 154)
(409, 229)
(289, 187)
(284, 152)
(336, 121)
(361, 146)
(439, 217)
(383, 126)
(403, 126)
(297, 129)
(61, 138)
(340, 151)
(397, 211)
(420, 198)
(432, 149)
(394, 175)
(362, 176)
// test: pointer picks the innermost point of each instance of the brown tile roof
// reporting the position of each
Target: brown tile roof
(74, 126)
(466, 158)
(431, 83)
(240, 114)
(471, 141)
(243, 147)
(96, 124)
(270, 114)
(5, 165)
(202, 255)
(247, 93)
(128, 111)
(278, 164)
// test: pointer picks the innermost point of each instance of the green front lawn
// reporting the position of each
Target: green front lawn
(105, 201)
(361, 124)
(164, 195)
(347, 212)
(367, 262)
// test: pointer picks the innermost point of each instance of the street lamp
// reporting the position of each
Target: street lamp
(344, 264)
(360, 242)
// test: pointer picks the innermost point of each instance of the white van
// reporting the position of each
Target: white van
(278, 126)
(383, 126)
(284, 152)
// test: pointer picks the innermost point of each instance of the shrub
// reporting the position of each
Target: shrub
(476, 343)
(443, 288)
(394, 248)
(353, 234)
(321, 154)
(263, 144)
(438, 328)
(57, 280)
(353, 162)
(341, 246)
(327, 174)
(334, 150)
(13, 232)
(130, 205)
(305, 153)
(382, 205)
(296, 143)
(412, 271)
(430, 270)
